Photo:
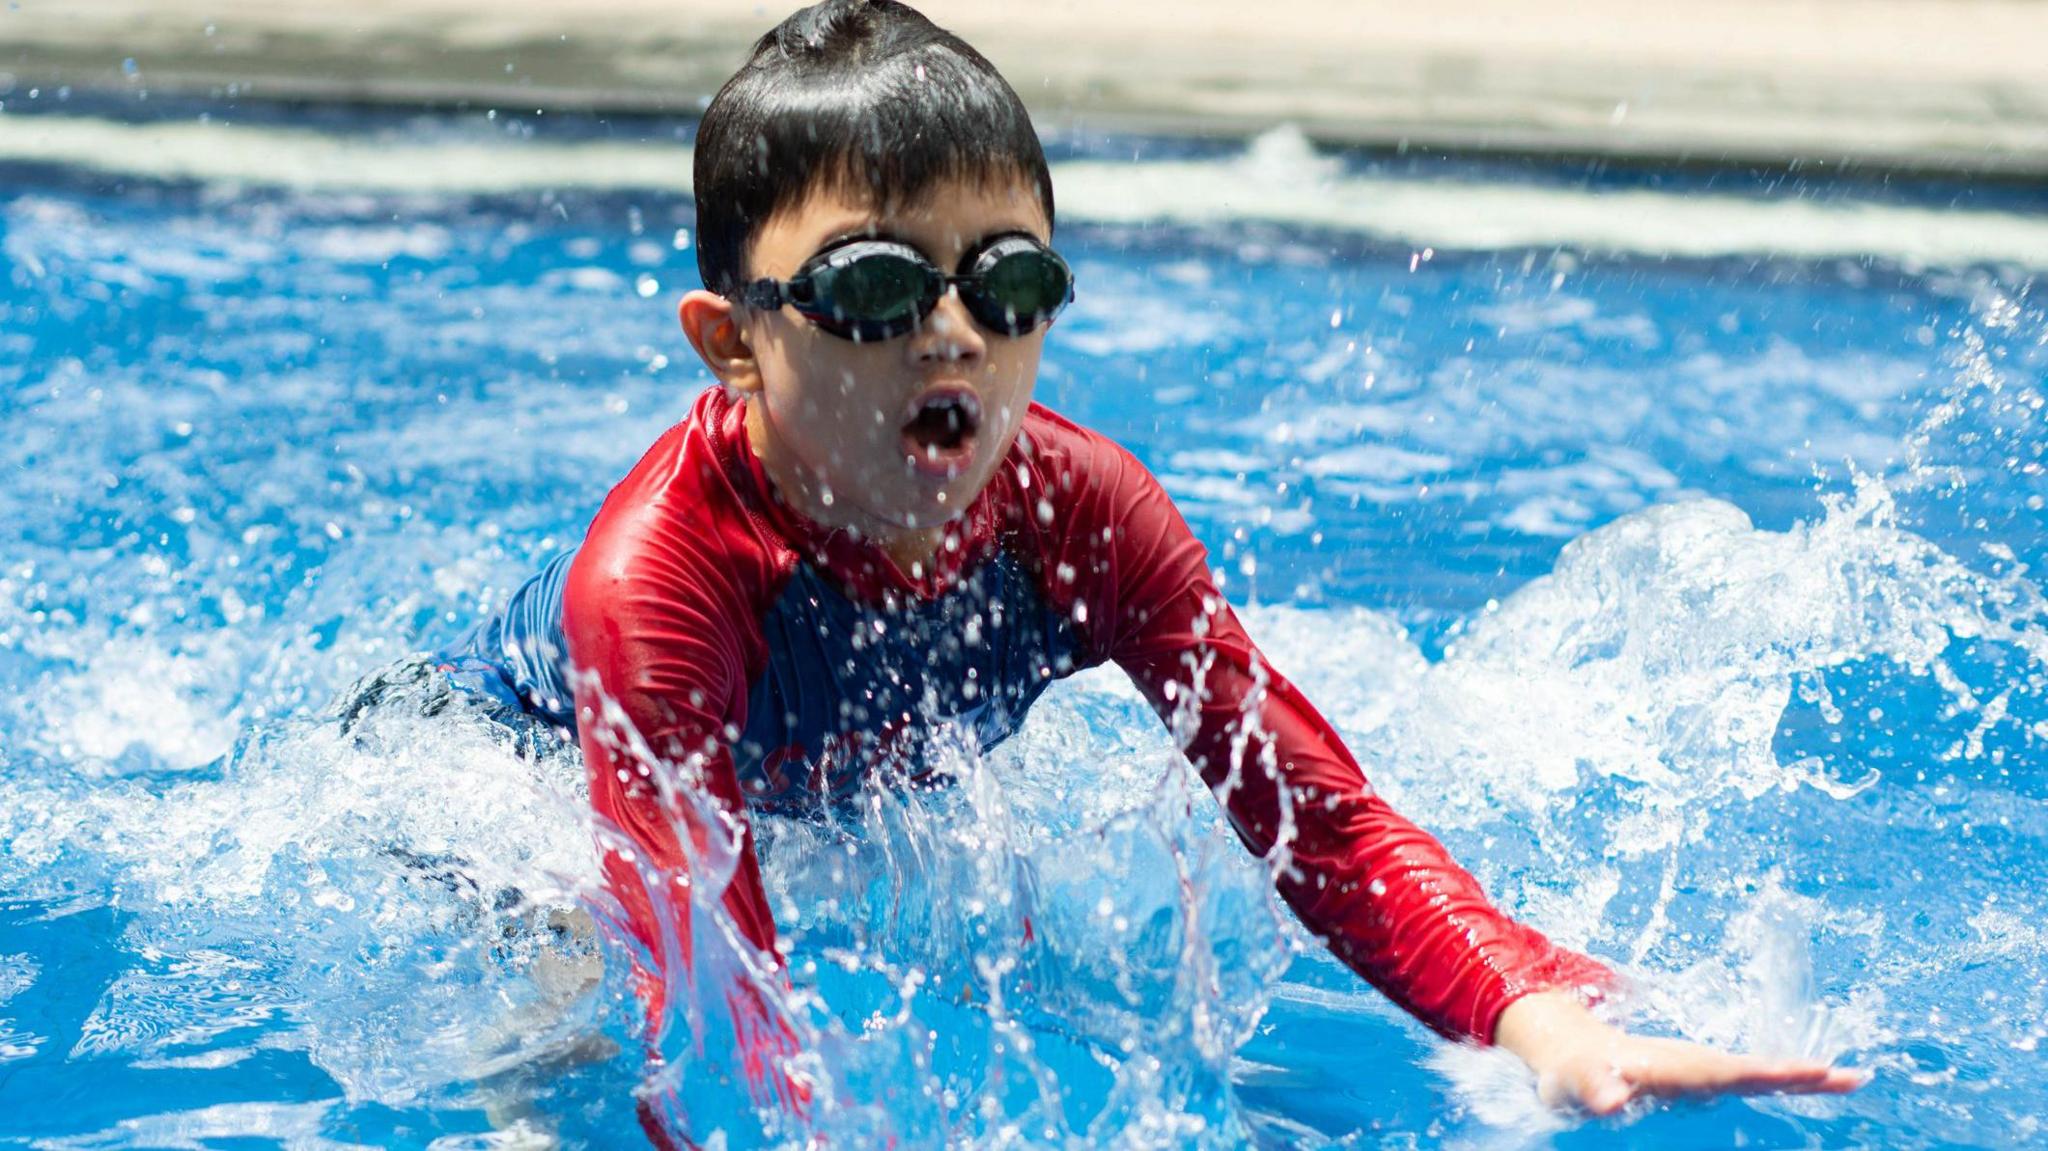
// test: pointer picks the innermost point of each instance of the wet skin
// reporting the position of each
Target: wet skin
(1584, 1064)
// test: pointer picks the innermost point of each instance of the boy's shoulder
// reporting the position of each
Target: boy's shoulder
(1076, 465)
(683, 512)
(1061, 438)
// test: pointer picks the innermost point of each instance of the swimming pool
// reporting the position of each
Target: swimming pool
(1690, 592)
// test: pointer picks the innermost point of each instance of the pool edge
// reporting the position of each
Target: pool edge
(1380, 80)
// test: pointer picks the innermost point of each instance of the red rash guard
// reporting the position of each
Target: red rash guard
(728, 628)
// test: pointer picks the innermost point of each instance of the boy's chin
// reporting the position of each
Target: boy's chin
(933, 500)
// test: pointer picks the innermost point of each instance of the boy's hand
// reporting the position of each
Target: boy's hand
(1584, 1063)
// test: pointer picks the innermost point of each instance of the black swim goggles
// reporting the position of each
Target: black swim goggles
(871, 290)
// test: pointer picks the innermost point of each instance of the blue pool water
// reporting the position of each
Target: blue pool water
(1691, 592)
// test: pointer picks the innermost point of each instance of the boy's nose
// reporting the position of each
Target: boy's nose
(948, 334)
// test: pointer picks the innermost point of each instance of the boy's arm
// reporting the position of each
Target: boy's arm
(660, 664)
(1384, 895)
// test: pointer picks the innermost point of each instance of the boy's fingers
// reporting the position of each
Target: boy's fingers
(1670, 1068)
(1697, 1071)
(1848, 1079)
(1830, 1081)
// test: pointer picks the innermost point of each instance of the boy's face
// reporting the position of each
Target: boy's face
(879, 426)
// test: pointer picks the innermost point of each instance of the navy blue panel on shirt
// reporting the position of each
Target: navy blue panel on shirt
(851, 685)
(847, 686)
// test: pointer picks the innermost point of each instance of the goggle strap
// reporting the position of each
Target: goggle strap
(766, 295)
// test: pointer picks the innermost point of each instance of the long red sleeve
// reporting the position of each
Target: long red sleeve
(1383, 894)
(657, 616)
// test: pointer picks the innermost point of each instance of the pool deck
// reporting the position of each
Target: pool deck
(1942, 85)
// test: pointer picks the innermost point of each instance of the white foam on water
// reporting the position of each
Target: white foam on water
(376, 899)
(296, 1125)
(1281, 178)
(1665, 646)
(18, 973)
(134, 695)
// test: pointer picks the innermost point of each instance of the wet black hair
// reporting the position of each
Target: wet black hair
(860, 96)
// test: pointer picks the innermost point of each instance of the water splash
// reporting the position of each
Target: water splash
(974, 966)
(416, 868)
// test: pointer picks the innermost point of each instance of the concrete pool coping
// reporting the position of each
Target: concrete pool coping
(1940, 85)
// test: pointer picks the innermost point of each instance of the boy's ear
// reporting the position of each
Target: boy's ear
(714, 330)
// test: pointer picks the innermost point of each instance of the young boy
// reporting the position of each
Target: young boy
(868, 531)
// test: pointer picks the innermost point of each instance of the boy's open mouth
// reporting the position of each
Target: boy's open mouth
(938, 438)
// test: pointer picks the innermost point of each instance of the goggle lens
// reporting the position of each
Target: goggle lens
(877, 295)
(1021, 288)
